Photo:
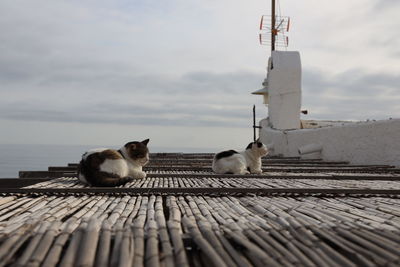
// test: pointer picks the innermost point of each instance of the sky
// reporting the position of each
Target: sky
(180, 72)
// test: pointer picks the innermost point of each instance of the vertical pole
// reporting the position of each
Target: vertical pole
(273, 30)
(254, 123)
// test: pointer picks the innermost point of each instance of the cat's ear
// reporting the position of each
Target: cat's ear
(145, 142)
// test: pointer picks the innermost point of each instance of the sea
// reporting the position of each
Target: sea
(15, 158)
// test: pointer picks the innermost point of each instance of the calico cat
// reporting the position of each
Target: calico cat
(245, 162)
(108, 167)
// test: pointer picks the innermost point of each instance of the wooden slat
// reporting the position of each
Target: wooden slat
(20, 182)
(46, 174)
(200, 191)
(297, 213)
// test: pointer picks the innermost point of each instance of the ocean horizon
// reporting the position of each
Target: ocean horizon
(35, 157)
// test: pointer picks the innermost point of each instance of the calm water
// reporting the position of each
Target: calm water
(15, 158)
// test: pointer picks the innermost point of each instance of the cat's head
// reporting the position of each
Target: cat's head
(138, 151)
(258, 148)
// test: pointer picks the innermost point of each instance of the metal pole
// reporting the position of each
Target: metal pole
(273, 31)
(254, 123)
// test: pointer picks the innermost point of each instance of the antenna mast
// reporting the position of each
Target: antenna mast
(273, 30)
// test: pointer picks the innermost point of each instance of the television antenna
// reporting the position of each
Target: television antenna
(273, 29)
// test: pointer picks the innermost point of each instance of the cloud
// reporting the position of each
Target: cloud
(189, 63)
(193, 99)
(351, 95)
(384, 4)
(204, 99)
(200, 115)
(345, 35)
(122, 62)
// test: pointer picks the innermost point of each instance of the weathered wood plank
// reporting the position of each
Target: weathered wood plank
(200, 191)
(20, 182)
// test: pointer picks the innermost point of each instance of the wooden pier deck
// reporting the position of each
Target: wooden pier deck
(297, 213)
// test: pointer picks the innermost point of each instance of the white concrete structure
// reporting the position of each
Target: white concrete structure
(375, 142)
(285, 135)
(284, 90)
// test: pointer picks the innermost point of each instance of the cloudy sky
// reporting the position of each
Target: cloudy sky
(181, 71)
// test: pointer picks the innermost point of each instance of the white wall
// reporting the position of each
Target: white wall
(284, 89)
(359, 143)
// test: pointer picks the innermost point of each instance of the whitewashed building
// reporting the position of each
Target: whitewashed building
(371, 142)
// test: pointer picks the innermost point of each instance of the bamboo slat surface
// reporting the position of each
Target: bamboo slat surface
(202, 230)
(269, 231)
(236, 182)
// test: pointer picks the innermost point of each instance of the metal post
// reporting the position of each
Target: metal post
(273, 30)
(254, 123)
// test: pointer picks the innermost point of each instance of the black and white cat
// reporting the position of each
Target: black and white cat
(109, 167)
(245, 162)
